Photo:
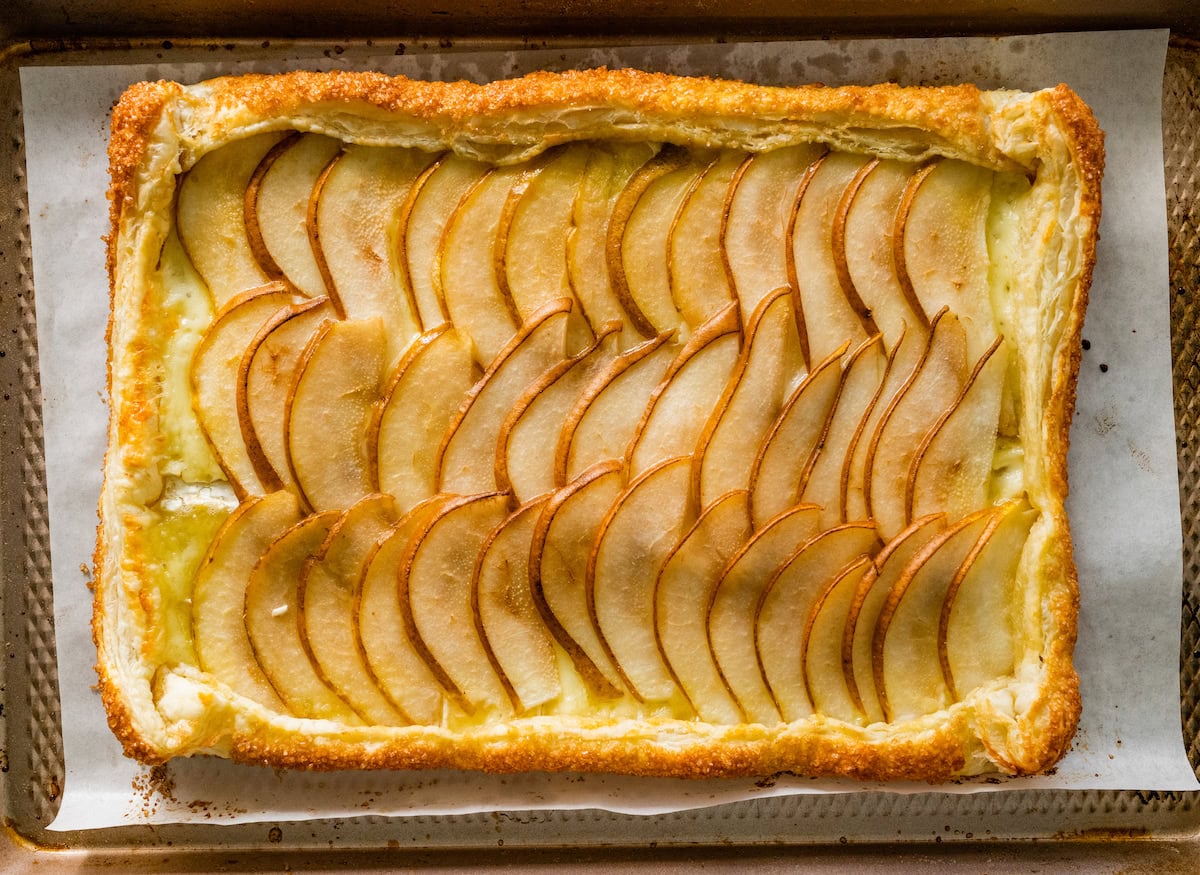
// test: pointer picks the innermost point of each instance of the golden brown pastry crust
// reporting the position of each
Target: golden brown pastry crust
(162, 128)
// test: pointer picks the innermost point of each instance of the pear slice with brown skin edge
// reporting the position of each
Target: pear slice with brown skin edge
(466, 281)
(424, 394)
(605, 417)
(531, 246)
(751, 401)
(263, 380)
(277, 206)
(902, 363)
(644, 524)
(788, 599)
(899, 248)
(951, 468)
(465, 461)
(681, 596)
(429, 207)
(435, 597)
(946, 257)
(258, 247)
(558, 558)
(211, 219)
(838, 239)
(610, 167)
(789, 258)
(337, 383)
(914, 409)
(273, 625)
(977, 630)
(788, 452)
(214, 380)
(829, 314)
(636, 239)
(518, 645)
(863, 251)
(699, 281)
(680, 405)
(390, 657)
(821, 645)
(904, 650)
(757, 214)
(353, 222)
(325, 597)
(528, 436)
(731, 610)
(862, 381)
(868, 600)
(218, 595)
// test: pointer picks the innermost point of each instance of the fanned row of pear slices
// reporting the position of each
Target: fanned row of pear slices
(685, 432)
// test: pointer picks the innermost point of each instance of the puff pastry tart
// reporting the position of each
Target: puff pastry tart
(594, 421)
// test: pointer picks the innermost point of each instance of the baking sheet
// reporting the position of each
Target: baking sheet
(1124, 507)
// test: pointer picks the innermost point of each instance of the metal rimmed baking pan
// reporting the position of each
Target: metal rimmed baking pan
(932, 828)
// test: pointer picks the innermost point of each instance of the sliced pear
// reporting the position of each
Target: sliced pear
(904, 650)
(465, 461)
(830, 317)
(211, 219)
(355, 222)
(752, 399)
(508, 622)
(942, 250)
(862, 382)
(735, 600)
(214, 377)
(528, 436)
(789, 450)
(863, 252)
(821, 645)
(757, 215)
(977, 631)
(435, 596)
(273, 622)
(394, 662)
(869, 598)
(277, 202)
(789, 598)
(531, 248)
(903, 361)
(469, 287)
(605, 417)
(325, 599)
(691, 387)
(638, 231)
(698, 280)
(681, 597)
(558, 560)
(951, 468)
(265, 376)
(635, 538)
(423, 396)
(337, 383)
(422, 220)
(218, 595)
(915, 408)
(609, 169)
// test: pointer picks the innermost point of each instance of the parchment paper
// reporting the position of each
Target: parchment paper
(1124, 507)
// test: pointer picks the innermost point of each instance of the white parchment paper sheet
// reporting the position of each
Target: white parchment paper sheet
(1124, 507)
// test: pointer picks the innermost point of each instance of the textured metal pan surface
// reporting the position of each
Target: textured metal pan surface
(1166, 825)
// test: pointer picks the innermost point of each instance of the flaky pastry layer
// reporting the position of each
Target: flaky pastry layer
(161, 708)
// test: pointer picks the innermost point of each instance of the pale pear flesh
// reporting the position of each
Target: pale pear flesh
(592, 429)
